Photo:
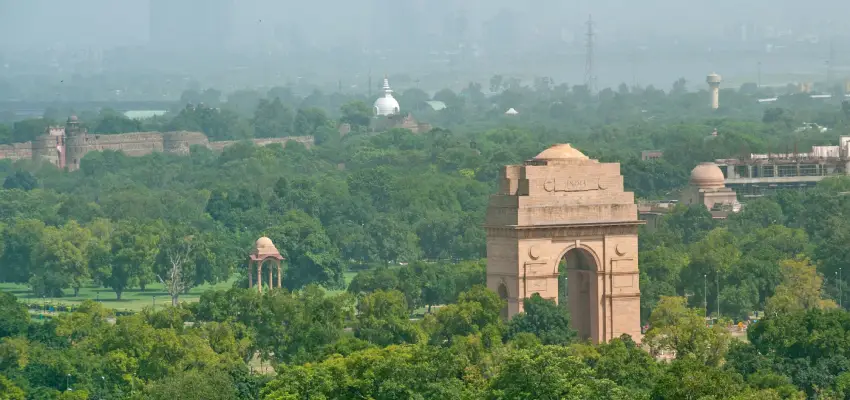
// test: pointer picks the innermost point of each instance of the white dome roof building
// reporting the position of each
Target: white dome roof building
(387, 104)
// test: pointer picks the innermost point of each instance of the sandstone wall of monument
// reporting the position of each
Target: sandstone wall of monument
(563, 206)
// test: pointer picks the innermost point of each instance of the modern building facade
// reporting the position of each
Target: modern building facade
(759, 173)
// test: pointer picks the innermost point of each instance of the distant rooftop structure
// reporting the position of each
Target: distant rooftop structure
(651, 154)
(144, 114)
(706, 187)
(511, 111)
(436, 105)
(758, 173)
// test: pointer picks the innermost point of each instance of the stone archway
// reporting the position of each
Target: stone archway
(581, 276)
(563, 205)
(503, 294)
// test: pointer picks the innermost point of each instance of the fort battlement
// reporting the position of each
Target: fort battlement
(76, 142)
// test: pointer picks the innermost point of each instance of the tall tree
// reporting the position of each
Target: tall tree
(543, 318)
(674, 327)
(801, 289)
(357, 114)
(60, 260)
(124, 255)
(175, 266)
(384, 319)
(20, 240)
(272, 119)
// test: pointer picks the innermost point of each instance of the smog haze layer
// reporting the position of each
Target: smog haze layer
(233, 44)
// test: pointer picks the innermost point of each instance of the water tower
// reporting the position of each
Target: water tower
(713, 81)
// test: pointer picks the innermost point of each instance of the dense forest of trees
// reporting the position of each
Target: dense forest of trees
(404, 211)
(365, 346)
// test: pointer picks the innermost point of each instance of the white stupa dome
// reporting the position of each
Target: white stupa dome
(387, 104)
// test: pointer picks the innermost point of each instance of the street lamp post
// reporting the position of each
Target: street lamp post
(705, 293)
(154, 303)
(68, 383)
(717, 280)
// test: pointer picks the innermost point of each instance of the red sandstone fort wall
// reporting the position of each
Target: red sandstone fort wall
(132, 144)
(181, 142)
(16, 151)
(307, 141)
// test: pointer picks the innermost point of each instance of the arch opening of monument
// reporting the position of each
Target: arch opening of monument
(563, 206)
(580, 274)
(503, 294)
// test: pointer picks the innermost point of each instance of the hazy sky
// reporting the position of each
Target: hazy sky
(102, 23)
(108, 23)
(195, 29)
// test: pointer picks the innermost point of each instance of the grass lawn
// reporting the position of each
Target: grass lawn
(131, 300)
(347, 276)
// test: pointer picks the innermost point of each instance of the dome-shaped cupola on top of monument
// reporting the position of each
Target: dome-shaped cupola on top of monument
(265, 248)
(560, 154)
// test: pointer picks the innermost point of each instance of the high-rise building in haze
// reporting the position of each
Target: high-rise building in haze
(185, 25)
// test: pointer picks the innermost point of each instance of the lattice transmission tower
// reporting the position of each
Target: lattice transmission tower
(589, 69)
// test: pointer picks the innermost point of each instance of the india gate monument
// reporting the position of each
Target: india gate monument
(561, 205)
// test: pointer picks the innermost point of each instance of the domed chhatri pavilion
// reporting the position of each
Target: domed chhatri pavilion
(264, 250)
(387, 104)
(708, 187)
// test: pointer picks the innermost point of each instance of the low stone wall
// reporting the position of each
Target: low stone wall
(307, 141)
(16, 151)
(181, 142)
(132, 144)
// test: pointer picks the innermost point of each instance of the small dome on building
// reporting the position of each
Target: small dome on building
(265, 248)
(387, 104)
(511, 111)
(708, 175)
(73, 118)
(561, 152)
(264, 242)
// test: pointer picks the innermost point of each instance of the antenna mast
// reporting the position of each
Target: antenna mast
(830, 62)
(589, 75)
